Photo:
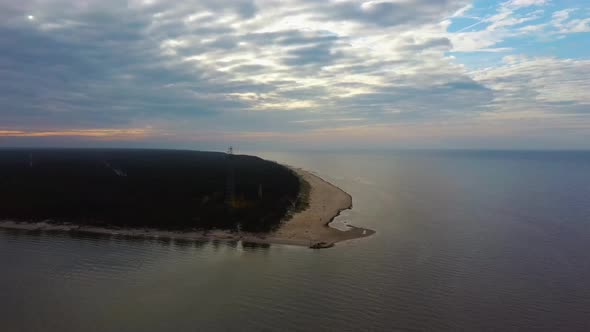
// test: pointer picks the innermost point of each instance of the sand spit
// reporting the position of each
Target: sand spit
(311, 226)
(308, 228)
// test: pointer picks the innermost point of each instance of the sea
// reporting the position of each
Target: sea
(465, 240)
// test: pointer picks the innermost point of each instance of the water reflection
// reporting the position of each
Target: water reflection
(183, 243)
(254, 246)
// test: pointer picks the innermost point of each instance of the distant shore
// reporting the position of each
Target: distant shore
(309, 227)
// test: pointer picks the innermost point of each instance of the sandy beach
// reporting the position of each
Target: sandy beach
(309, 227)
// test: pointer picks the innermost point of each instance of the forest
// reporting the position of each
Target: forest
(165, 189)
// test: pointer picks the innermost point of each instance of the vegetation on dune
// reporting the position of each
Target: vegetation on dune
(303, 196)
(301, 202)
(165, 189)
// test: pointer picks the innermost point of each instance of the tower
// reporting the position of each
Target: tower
(230, 180)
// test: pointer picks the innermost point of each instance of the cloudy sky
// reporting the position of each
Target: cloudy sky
(296, 73)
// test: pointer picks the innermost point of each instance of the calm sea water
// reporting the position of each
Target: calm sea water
(465, 240)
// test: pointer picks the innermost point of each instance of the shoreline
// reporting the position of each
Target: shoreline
(312, 225)
(309, 227)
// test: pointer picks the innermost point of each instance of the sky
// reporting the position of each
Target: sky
(332, 74)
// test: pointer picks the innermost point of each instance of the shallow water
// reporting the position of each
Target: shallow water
(465, 240)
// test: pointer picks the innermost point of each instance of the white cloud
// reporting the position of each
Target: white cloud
(525, 3)
(564, 24)
(461, 12)
(498, 28)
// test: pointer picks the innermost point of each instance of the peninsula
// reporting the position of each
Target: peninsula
(169, 194)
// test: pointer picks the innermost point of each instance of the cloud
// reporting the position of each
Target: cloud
(525, 3)
(204, 70)
(538, 87)
(564, 23)
(391, 13)
(514, 20)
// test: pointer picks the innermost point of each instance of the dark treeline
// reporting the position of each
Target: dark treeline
(165, 189)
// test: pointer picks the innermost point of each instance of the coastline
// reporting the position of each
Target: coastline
(309, 227)
(312, 225)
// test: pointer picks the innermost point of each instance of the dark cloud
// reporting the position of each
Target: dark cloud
(291, 37)
(224, 42)
(110, 69)
(247, 69)
(443, 44)
(317, 55)
(109, 77)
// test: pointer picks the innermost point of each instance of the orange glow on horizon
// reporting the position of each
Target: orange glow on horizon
(96, 133)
